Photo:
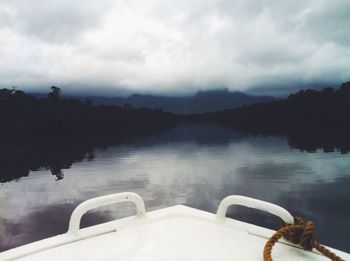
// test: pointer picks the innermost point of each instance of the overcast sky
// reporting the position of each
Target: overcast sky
(167, 46)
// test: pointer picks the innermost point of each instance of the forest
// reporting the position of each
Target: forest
(54, 132)
(23, 115)
(311, 119)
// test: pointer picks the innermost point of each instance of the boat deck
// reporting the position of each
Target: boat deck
(174, 233)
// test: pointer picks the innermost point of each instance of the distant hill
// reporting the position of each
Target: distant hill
(221, 100)
(310, 119)
(171, 104)
(203, 101)
(306, 108)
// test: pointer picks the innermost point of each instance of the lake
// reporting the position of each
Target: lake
(192, 165)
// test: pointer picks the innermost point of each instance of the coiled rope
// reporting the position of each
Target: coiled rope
(300, 233)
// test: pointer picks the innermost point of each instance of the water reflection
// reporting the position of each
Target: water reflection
(195, 166)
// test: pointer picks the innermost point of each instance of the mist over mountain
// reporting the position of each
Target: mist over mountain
(202, 101)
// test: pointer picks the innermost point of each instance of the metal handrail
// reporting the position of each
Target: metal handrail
(80, 210)
(253, 203)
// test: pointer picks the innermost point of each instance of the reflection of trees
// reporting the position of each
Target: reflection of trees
(57, 172)
(17, 160)
(19, 157)
(326, 140)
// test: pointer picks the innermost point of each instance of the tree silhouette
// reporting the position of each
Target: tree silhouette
(55, 94)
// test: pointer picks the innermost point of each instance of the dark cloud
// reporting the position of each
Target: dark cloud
(166, 46)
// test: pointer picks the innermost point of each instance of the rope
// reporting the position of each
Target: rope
(300, 233)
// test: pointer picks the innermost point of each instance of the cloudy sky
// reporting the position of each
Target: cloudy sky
(166, 46)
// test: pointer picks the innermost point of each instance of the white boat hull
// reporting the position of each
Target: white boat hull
(173, 234)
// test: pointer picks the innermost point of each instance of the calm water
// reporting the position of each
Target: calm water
(194, 166)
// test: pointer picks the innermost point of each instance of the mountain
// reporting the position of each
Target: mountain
(202, 101)
(219, 100)
(326, 108)
(157, 102)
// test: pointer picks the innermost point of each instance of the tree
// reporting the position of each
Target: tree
(55, 94)
(345, 90)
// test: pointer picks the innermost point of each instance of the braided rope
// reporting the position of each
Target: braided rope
(301, 233)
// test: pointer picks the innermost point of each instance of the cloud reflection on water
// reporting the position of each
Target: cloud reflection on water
(176, 171)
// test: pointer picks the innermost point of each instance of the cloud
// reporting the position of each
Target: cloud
(329, 22)
(173, 47)
(60, 21)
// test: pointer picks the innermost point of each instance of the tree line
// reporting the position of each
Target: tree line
(54, 132)
(23, 115)
(311, 119)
